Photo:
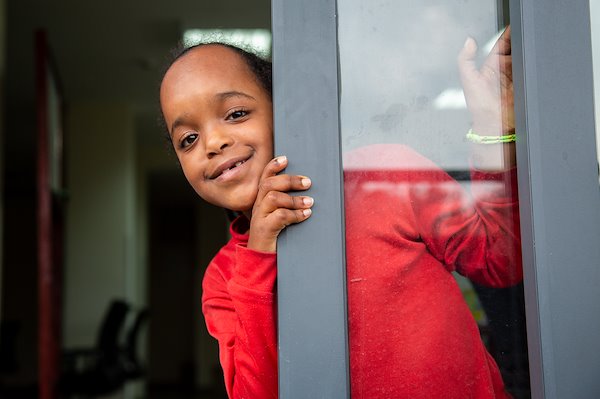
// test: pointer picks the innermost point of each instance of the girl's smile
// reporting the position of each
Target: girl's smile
(229, 169)
(220, 122)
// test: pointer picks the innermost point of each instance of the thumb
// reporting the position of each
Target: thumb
(467, 67)
(466, 57)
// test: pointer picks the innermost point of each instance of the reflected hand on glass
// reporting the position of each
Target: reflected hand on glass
(489, 89)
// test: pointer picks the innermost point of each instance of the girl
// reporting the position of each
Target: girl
(216, 102)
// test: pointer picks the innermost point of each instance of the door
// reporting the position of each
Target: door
(355, 76)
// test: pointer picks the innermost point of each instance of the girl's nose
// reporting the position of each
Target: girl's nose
(216, 141)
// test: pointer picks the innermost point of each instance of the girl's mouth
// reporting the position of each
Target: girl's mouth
(231, 171)
(228, 169)
(235, 166)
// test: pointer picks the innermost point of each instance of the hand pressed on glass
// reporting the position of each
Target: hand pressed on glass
(489, 89)
(490, 99)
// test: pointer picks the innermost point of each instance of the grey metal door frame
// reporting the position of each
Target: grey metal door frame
(559, 195)
(558, 189)
(311, 283)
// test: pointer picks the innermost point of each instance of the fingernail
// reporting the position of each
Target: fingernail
(306, 212)
(469, 42)
(280, 159)
(308, 201)
(305, 182)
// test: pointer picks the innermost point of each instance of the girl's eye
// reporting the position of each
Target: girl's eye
(240, 113)
(189, 140)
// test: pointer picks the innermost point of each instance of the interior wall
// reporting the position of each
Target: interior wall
(2, 58)
(180, 236)
(19, 258)
(212, 235)
(100, 262)
(171, 270)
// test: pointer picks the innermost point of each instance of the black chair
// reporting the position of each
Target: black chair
(99, 370)
(130, 359)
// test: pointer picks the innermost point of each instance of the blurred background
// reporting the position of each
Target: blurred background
(128, 238)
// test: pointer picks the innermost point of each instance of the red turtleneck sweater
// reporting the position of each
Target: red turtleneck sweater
(408, 225)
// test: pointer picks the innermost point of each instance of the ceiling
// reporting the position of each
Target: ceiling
(106, 51)
(114, 50)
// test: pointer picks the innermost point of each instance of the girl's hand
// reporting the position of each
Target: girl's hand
(275, 209)
(489, 89)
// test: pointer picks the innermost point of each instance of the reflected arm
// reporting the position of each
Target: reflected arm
(490, 99)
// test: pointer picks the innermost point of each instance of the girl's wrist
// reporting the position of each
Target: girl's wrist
(262, 245)
(494, 157)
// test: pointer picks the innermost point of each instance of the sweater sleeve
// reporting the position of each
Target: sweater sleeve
(477, 235)
(240, 313)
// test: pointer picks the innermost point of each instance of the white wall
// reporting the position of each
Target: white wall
(101, 238)
(212, 234)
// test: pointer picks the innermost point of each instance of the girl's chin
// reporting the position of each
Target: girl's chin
(241, 202)
(244, 207)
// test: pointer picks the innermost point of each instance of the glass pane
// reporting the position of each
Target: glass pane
(435, 297)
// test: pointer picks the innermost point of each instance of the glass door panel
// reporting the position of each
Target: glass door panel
(434, 274)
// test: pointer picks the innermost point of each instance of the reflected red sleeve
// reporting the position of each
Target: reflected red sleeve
(477, 235)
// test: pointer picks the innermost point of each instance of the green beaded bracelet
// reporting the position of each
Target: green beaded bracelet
(475, 138)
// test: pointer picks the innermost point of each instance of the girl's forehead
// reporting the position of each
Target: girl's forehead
(207, 71)
(212, 59)
(209, 67)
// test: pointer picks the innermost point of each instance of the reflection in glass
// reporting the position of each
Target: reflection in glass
(432, 231)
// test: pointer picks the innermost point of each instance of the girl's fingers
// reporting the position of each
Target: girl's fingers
(506, 66)
(275, 209)
(281, 218)
(284, 183)
(265, 229)
(274, 200)
(275, 166)
(271, 181)
(502, 45)
(466, 59)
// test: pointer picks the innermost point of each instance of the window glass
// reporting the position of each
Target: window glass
(435, 297)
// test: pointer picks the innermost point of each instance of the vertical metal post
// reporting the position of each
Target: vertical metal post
(559, 195)
(312, 321)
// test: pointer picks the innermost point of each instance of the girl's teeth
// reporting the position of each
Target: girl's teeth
(236, 165)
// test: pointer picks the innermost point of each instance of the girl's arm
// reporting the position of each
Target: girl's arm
(239, 306)
(480, 237)
(239, 302)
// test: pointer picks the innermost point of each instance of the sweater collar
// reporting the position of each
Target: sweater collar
(239, 228)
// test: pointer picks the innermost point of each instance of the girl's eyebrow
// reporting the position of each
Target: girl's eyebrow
(176, 123)
(182, 120)
(229, 94)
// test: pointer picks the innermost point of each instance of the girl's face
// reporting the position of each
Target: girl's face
(221, 124)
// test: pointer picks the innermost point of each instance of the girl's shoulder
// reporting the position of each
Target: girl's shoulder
(388, 157)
